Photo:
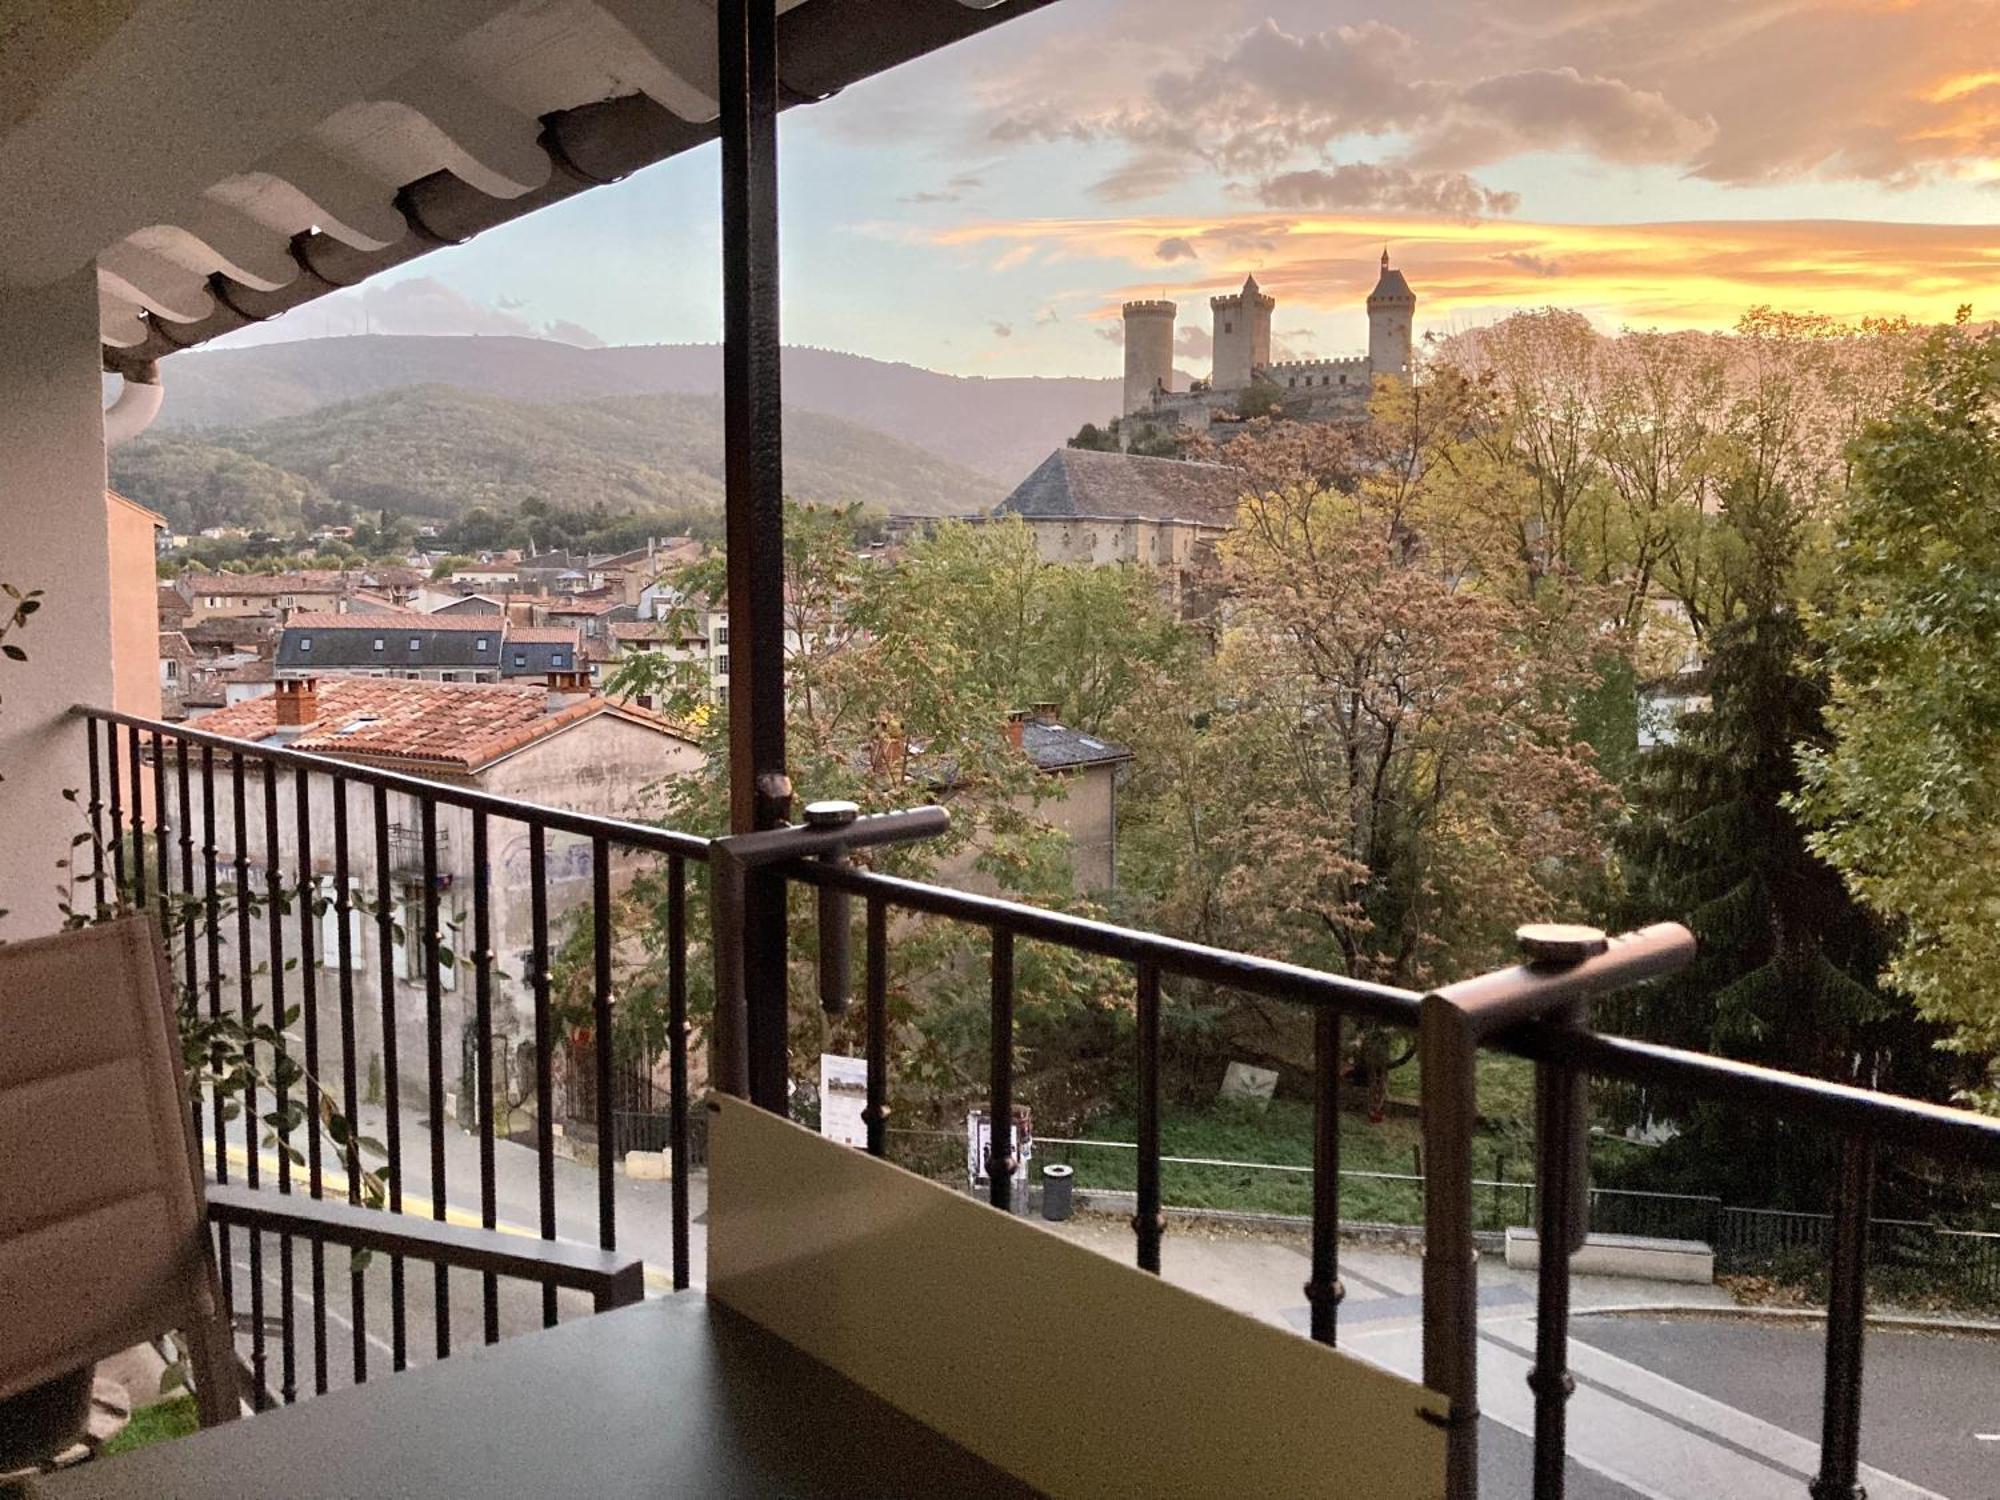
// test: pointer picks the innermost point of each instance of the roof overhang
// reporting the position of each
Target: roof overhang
(222, 163)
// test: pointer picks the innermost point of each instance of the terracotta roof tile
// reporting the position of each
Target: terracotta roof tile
(388, 619)
(459, 725)
(540, 635)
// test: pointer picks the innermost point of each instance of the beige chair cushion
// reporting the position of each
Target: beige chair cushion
(101, 1222)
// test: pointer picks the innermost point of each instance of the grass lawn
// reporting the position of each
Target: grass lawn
(172, 1418)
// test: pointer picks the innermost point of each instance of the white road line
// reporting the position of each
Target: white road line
(301, 1296)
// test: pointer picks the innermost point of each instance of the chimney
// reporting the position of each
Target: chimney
(1015, 721)
(566, 688)
(297, 702)
(1047, 713)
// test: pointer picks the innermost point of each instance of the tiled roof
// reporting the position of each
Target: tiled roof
(245, 584)
(388, 619)
(464, 727)
(651, 630)
(1082, 482)
(541, 635)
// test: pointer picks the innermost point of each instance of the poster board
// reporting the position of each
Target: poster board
(1079, 1375)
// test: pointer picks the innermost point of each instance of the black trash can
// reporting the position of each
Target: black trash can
(1057, 1182)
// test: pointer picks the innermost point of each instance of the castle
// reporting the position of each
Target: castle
(1305, 389)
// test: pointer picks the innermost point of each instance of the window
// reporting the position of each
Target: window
(173, 671)
(722, 666)
(520, 658)
(1343, 380)
(416, 643)
(379, 643)
(479, 643)
(448, 677)
(305, 643)
(555, 658)
(214, 602)
(722, 634)
(1229, 328)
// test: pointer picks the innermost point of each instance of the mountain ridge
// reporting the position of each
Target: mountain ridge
(1000, 426)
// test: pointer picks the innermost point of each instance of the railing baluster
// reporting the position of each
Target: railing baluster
(112, 777)
(1149, 1221)
(999, 1152)
(1846, 1314)
(482, 1073)
(308, 894)
(162, 837)
(343, 911)
(190, 974)
(875, 1115)
(274, 886)
(434, 1055)
(545, 1124)
(1325, 1290)
(1561, 1206)
(247, 1011)
(96, 811)
(392, 1084)
(600, 912)
(677, 1060)
(212, 923)
(137, 771)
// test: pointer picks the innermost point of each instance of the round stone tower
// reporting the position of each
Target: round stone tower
(1149, 352)
(1392, 308)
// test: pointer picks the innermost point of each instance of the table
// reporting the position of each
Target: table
(675, 1397)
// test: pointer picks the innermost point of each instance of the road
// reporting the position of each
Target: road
(1698, 1406)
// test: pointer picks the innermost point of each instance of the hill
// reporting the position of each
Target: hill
(433, 451)
(1002, 427)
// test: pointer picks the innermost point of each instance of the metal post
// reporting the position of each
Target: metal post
(753, 466)
(1562, 1221)
(835, 917)
(1451, 1270)
(1846, 1311)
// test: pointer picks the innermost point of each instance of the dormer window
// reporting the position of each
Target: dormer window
(555, 658)
(416, 642)
(520, 658)
(380, 643)
(479, 643)
(305, 643)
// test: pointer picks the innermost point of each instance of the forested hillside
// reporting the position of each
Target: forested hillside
(434, 452)
(1002, 427)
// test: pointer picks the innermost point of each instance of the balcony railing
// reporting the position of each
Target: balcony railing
(1536, 1011)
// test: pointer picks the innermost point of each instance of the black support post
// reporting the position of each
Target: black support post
(753, 467)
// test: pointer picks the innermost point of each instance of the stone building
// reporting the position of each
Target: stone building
(1305, 390)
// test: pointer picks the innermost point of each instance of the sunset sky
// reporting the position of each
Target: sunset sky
(1652, 163)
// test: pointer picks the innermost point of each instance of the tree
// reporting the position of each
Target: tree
(1906, 798)
(450, 564)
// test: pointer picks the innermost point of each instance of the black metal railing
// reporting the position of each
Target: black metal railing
(1536, 1010)
(289, 867)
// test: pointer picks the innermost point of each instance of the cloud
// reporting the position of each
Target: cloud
(954, 189)
(1367, 185)
(1527, 260)
(1194, 340)
(1047, 316)
(1688, 274)
(1111, 333)
(1175, 247)
(565, 332)
(1556, 109)
(1001, 330)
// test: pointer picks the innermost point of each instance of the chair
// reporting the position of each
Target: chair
(103, 1240)
(103, 1206)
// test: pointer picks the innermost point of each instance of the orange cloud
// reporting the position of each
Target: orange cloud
(1670, 275)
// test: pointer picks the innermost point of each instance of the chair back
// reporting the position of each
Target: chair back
(103, 1235)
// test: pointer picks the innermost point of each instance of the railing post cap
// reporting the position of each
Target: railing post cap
(1559, 942)
(831, 814)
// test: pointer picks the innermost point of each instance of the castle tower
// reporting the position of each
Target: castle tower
(1149, 353)
(1392, 308)
(1242, 335)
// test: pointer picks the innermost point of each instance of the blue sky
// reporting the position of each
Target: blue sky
(983, 211)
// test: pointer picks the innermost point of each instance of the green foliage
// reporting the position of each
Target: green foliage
(1260, 398)
(1098, 439)
(1906, 797)
(434, 451)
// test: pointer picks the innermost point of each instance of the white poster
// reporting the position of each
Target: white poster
(843, 1095)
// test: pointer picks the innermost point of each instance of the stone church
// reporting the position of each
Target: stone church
(1303, 389)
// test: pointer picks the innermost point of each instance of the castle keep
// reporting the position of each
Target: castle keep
(1305, 389)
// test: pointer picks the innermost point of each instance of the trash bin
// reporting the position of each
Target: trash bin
(1056, 1185)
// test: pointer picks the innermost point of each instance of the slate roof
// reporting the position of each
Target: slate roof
(409, 640)
(533, 650)
(1391, 284)
(449, 724)
(1081, 482)
(1056, 747)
